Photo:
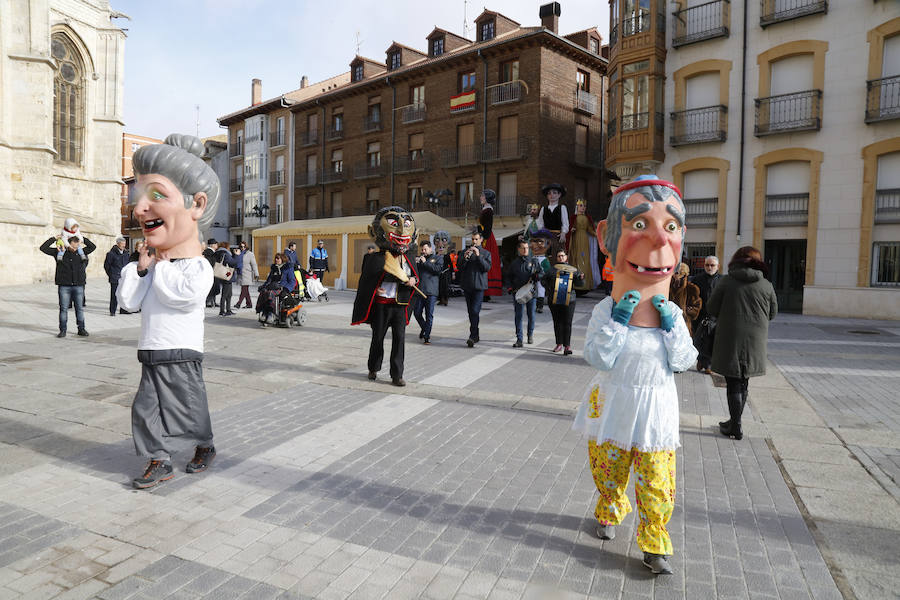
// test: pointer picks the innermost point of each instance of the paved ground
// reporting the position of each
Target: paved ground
(468, 483)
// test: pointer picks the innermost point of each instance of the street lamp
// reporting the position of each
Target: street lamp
(260, 210)
(435, 200)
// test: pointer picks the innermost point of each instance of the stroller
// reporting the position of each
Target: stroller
(288, 310)
(314, 288)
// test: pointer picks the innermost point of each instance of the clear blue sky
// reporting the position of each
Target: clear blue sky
(184, 53)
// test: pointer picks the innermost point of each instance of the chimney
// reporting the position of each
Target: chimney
(304, 81)
(550, 16)
(256, 92)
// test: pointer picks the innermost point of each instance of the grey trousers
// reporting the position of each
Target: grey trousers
(170, 409)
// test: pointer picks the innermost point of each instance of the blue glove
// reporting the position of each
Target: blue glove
(666, 320)
(622, 311)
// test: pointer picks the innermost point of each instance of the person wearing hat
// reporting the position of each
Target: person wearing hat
(116, 258)
(318, 260)
(209, 253)
(554, 216)
(486, 229)
(539, 242)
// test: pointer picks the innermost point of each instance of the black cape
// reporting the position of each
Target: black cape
(371, 276)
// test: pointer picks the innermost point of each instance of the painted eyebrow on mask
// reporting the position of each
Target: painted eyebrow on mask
(631, 213)
(675, 212)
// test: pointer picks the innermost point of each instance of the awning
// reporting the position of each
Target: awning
(426, 223)
(505, 232)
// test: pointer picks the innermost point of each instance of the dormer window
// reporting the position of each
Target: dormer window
(486, 31)
(394, 60)
(358, 72)
(437, 46)
(594, 45)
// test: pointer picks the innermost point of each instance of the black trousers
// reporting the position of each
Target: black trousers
(113, 303)
(736, 385)
(562, 322)
(213, 292)
(225, 300)
(381, 317)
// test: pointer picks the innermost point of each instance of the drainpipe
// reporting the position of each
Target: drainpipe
(743, 121)
(484, 125)
(387, 81)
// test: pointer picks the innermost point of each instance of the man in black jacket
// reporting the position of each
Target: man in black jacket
(524, 269)
(429, 266)
(209, 253)
(474, 265)
(704, 325)
(116, 258)
(70, 279)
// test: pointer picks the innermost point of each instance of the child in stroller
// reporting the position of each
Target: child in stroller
(313, 286)
(279, 297)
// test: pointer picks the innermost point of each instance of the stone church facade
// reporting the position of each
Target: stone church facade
(61, 104)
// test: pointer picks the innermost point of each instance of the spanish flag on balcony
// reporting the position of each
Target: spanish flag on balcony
(461, 101)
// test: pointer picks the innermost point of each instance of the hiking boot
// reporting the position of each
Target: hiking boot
(606, 532)
(518, 344)
(657, 563)
(203, 457)
(157, 471)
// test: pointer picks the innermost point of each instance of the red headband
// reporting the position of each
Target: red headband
(646, 182)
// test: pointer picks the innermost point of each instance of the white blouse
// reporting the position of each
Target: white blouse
(172, 301)
(632, 402)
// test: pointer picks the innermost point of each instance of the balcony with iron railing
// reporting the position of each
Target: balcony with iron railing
(236, 185)
(511, 205)
(408, 164)
(276, 138)
(306, 178)
(787, 209)
(236, 148)
(255, 219)
(366, 169)
(236, 219)
(798, 111)
(883, 99)
(334, 175)
(372, 123)
(412, 113)
(509, 91)
(511, 149)
(277, 178)
(701, 212)
(776, 11)
(639, 23)
(585, 102)
(463, 102)
(699, 125)
(253, 137)
(701, 22)
(309, 138)
(334, 133)
(887, 206)
(460, 156)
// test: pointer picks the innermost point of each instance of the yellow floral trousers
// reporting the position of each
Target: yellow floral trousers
(654, 490)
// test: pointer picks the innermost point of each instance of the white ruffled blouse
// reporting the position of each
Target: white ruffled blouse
(632, 402)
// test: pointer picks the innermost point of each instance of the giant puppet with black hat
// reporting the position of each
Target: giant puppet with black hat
(488, 199)
(637, 340)
(554, 216)
(386, 284)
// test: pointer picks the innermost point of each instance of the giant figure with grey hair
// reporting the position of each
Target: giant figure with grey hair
(177, 194)
(637, 339)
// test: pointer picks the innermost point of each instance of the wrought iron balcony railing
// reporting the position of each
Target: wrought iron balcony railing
(510, 91)
(585, 102)
(253, 137)
(366, 169)
(511, 149)
(334, 133)
(511, 205)
(799, 111)
(699, 125)
(636, 24)
(412, 113)
(776, 11)
(372, 123)
(276, 138)
(309, 138)
(701, 212)
(306, 178)
(236, 148)
(701, 22)
(236, 219)
(276, 178)
(462, 155)
(787, 209)
(333, 176)
(236, 185)
(883, 99)
(406, 164)
(887, 206)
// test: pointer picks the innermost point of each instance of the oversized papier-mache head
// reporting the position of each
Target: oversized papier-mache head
(393, 229)
(177, 193)
(441, 241)
(643, 235)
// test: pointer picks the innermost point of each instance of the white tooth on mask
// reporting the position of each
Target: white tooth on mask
(641, 269)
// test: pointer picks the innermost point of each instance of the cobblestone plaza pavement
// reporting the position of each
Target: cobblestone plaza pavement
(467, 483)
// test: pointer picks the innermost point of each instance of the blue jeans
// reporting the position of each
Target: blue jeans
(520, 308)
(426, 304)
(473, 305)
(68, 294)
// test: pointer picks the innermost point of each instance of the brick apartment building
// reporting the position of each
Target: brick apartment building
(514, 109)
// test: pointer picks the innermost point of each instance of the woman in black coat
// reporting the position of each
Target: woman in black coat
(743, 303)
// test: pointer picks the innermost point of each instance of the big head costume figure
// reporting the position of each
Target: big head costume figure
(441, 242)
(177, 195)
(393, 229)
(642, 236)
